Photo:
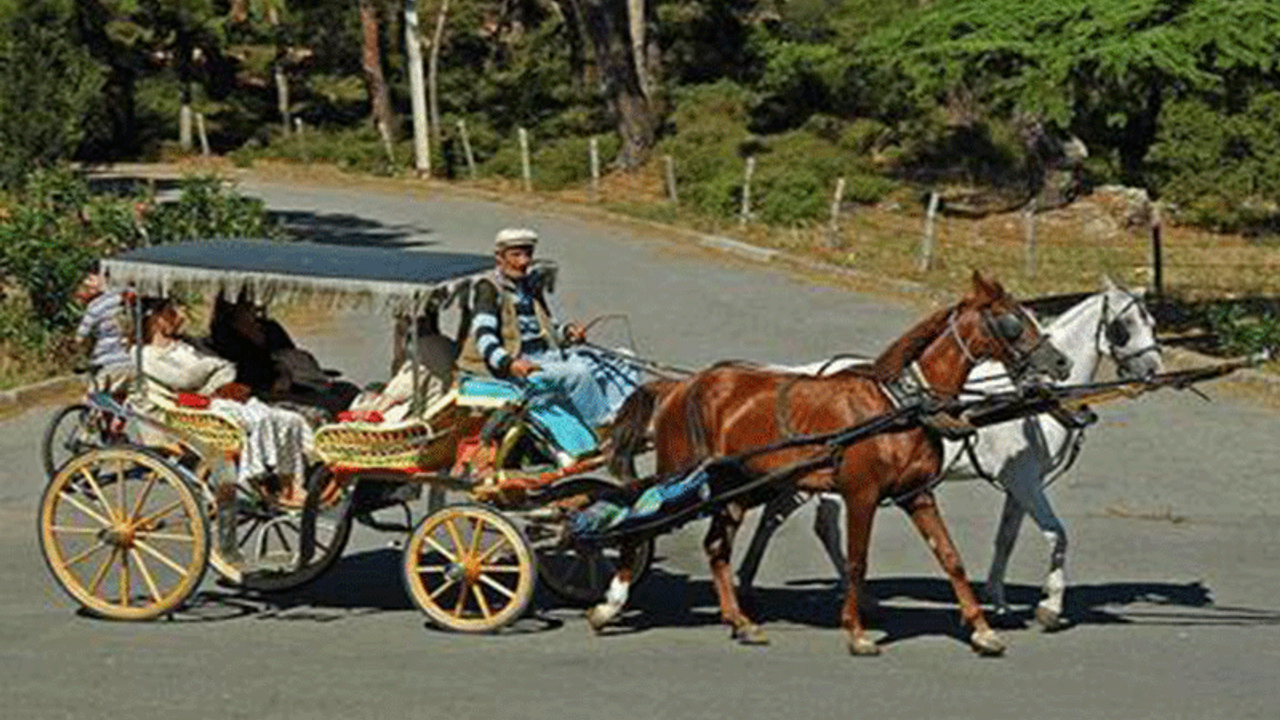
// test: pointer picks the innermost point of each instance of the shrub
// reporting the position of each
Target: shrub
(1222, 165)
(205, 209)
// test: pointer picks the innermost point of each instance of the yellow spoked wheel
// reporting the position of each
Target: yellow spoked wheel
(469, 569)
(123, 533)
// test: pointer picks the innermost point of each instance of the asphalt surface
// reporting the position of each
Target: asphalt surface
(1172, 511)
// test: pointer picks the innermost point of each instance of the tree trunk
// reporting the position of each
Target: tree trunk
(371, 60)
(636, 22)
(608, 26)
(185, 112)
(417, 93)
(282, 93)
(433, 64)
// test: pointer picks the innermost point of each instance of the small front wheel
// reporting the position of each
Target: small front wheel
(469, 569)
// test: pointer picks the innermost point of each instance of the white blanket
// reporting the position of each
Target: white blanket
(276, 440)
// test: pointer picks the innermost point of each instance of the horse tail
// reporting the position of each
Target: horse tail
(630, 430)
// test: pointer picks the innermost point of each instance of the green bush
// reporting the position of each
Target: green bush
(51, 234)
(567, 162)
(1221, 165)
(206, 209)
(1239, 330)
(54, 229)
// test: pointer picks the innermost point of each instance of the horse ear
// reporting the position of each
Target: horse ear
(982, 289)
(1107, 283)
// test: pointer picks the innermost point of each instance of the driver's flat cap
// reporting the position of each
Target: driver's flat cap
(515, 237)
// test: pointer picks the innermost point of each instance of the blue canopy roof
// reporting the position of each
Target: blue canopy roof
(397, 280)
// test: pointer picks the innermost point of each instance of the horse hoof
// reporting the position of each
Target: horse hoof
(987, 643)
(750, 635)
(862, 647)
(1049, 620)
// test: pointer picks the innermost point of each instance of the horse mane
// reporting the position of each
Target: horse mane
(903, 351)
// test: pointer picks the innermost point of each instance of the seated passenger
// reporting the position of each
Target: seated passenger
(513, 334)
(102, 330)
(277, 440)
(435, 373)
(267, 360)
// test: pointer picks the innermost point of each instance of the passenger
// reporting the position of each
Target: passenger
(269, 362)
(514, 334)
(102, 332)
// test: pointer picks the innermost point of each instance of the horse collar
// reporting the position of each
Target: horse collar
(909, 388)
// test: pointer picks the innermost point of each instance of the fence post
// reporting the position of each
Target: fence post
(204, 138)
(833, 234)
(669, 165)
(595, 168)
(466, 148)
(926, 245)
(524, 160)
(1031, 237)
(746, 190)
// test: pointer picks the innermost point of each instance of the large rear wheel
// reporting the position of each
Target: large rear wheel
(124, 533)
(469, 569)
(72, 431)
(272, 539)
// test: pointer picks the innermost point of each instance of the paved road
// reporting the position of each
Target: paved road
(1172, 509)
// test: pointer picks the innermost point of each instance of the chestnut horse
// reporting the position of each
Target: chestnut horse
(730, 409)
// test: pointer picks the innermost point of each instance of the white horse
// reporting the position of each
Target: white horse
(1021, 457)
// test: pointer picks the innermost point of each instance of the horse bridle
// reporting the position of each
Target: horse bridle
(1003, 329)
(1117, 335)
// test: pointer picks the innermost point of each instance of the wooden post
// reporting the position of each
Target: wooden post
(466, 148)
(1157, 261)
(926, 246)
(204, 138)
(833, 235)
(1031, 237)
(524, 160)
(669, 164)
(595, 168)
(746, 190)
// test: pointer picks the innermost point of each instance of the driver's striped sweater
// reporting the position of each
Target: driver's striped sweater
(486, 326)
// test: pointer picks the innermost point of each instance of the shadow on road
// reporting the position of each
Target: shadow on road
(369, 582)
(347, 229)
(914, 607)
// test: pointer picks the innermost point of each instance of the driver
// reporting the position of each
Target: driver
(514, 334)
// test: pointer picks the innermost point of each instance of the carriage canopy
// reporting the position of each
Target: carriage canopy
(391, 281)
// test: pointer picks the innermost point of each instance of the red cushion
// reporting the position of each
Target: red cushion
(370, 416)
(192, 400)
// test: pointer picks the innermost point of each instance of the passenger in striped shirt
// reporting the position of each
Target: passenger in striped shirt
(101, 330)
(514, 334)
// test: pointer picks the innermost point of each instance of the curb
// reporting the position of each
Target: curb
(26, 395)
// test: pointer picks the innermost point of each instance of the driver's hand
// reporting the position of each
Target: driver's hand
(575, 333)
(523, 368)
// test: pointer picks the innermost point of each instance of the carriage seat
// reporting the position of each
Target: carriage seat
(550, 412)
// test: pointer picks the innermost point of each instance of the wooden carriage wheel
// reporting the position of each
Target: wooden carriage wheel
(270, 536)
(469, 569)
(576, 573)
(124, 533)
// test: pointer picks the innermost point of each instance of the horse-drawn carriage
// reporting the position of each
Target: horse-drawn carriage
(125, 522)
(131, 516)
